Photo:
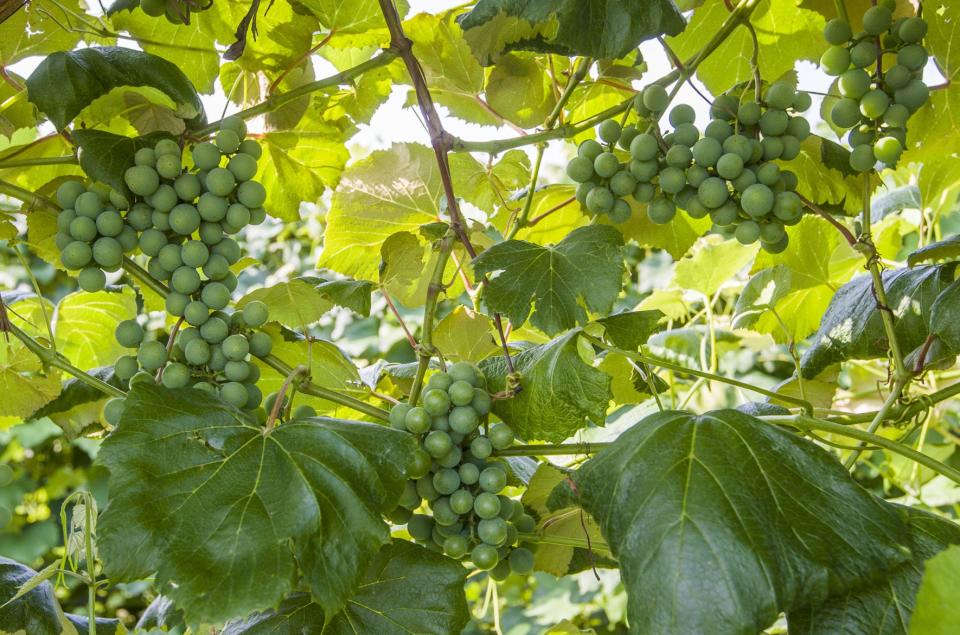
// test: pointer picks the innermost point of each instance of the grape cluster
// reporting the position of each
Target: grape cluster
(454, 473)
(176, 11)
(876, 97)
(728, 173)
(92, 233)
(215, 358)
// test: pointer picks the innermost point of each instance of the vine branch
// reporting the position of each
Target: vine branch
(425, 350)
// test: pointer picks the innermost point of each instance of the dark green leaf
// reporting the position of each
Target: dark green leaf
(852, 327)
(594, 28)
(943, 316)
(65, 83)
(727, 507)
(405, 590)
(895, 200)
(105, 625)
(105, 156)
(161, 613)
(74, 395)
(348, 293)
(629, 330)
(948, 248)
(36, 612)
(885, 607)
(196, 488)
(560, 392)
(586, 266)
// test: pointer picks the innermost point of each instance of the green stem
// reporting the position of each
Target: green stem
(277, 364)
(841, 10)
(564, 541)
(740, 13)
(21, 163)
(52, 358)
(310, 388)
(279, 99)
(551, 449)
(522, 219)
(878, 418)
(28, 197)
(91, 569)
(425, 350)
(653, 361)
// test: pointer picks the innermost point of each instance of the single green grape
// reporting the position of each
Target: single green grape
(206, 155)
(661, 210)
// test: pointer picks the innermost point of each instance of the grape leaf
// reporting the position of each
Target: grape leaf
(356, 16)
(350, 294)
(585, 266)
(597, 28)
(36, 612)
(65, 83)
(85, 323)
(19, 114)
(560, 391)
(465, 335)
(294, 304)
(105, 156)
(388, 192)
(195, 487)
(37, 176)
(78, 404)
(406, 589)
(675, 237)
(943, 316)
(936, 612)
(489, 186)
(24, 383)
(785, 31)
(33, 29)
(631, 329)
(725, 506)
(715, 262)
(520, 89)
(885, 607)
(819, 179)
(852, 327)
(948, 248)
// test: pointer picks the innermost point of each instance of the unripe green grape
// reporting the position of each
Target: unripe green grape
(681, 114)
(228, 141)
(235, 347)
(469, 473)
(686, 134)
(749, 113)
(854, 83)
(913, 29)
(250, 147)
(68, 192)
(644, 170)
(142, 180)
(187, 187)
(452, 458)
(176, 303)
(236, 124)
(747, 232)
(463, 371)
(61, 240)
(107, 252)
(83, 228)
(837, 31)
(845, 113)
(713, 192)
(863, 54)
(583, 189)
(481, 447)
(482, 402)
(688, 200)
(126, 367)
(220, 182)
(798, 127)
(185, 280)
(486, 505)
(129, 333)
(217, 359)
(254, 396)
(91, 279)
(661, 211)
(184, 219)
(724, 215)
(165, 147)
(425, 488)
(913, 95)
(461, 392)
(777, 247)
(627, 135)
(621, 212)
(251, 193)
(772, 148)
(644, 147)
(238, 216)
(672, 180)
(745, 180)
(757, 200)
(521, 561)
(236, 371)
(718, 129)
(206, 155)
(707, 151)
(887, 150)
(606, 165)
(644, 192)
(861, 158)
(622, 183)
(740, 145)
(768, 174)
(243, 167)
(142, 377)
(791, 147)
(420, 527)
(215, 295)
(152, 241)
(874, 104)
(306, 411)
(897, 76)
(589, 149)
(88, 204)
(492, 531)
(876, 20)
(257, 215)
(113, 410)
(417, 420)
(64, 218)
(730, 165)
(260, 344)
(501, 436)
(655, 98)
(835, 60)
(234, 393)
(153, 8)
(772, 232)
(176, 375)
(196, 313)
(436, 402)
(774, 122)
(724, 107)
(214, 330)
(152, 355)
(397, 414)
(170, 258)
(445, 481)
(463, 419)
(194, 254)
(437, 443)
(609, 131)
(779, 95)
(580, 169)
(160, 220)
(802, 101)
(197, 352)
(255, 313)
(139, 217)
(600, 200)
(168, 166)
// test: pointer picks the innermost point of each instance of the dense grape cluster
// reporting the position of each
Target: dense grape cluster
(728, 172)
(879, 75)
(454, 473)
(215, 358)
(92, 233)
(176, 11)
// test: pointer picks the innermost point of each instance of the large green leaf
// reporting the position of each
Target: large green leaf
(943, 316)
(946, 249)
(884, 607)
(405, 590)
(34, 29)
(25, 384)
(852, 327)
(785, 31)
(356, 16)
(65, 83)
(465, 335)
(560, 392)
(586, 267)
(631, 329)
(295, 304)
(78, 404)
(937, 612)
(202, 497)
(595, 28)
(820, 179)
(727, 507)
(85, 324)
(105, 156)
(675, 237)
(390, 191)
(36, 612)
(714, 263)
(520, 89)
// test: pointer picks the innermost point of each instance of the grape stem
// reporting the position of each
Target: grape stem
(144, 277)
(50, 357)
(816, 209)
(32, 199)
(22, 163)
(653, 361)
(278, 404)
(878, 419)
(425, 349)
